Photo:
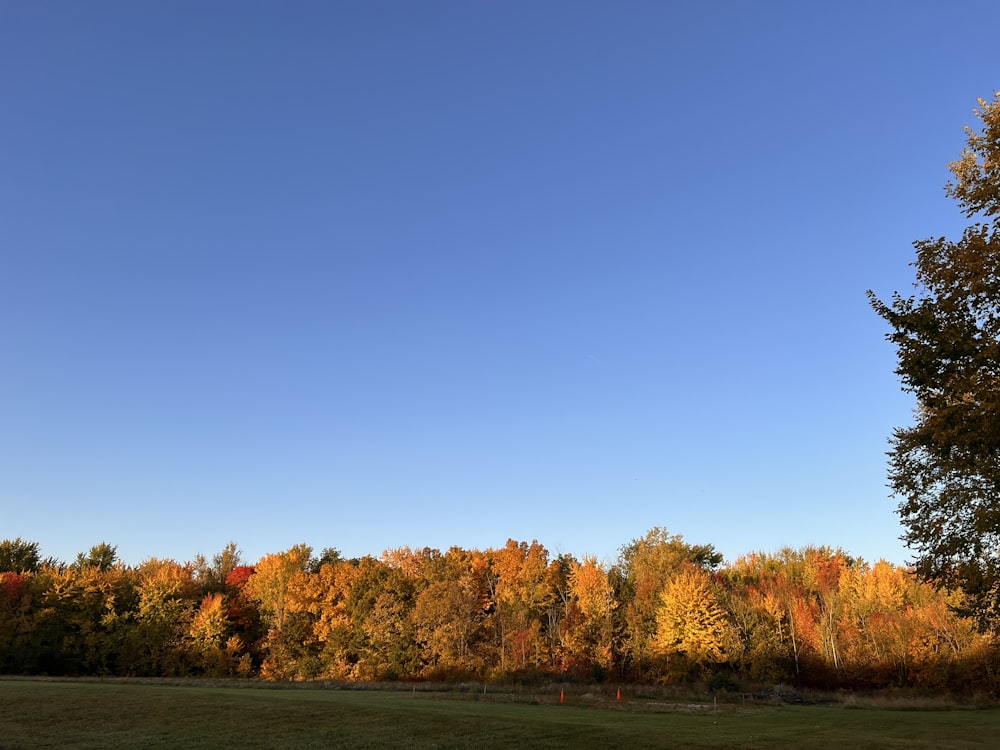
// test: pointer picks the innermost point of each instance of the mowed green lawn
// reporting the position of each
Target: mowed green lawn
(113, 715)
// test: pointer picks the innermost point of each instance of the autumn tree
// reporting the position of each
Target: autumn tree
(945, 468)
(876, 620)
(156, 643)
(268, 585)
(643, 569)
(557, 604)
(380, 603)
(322, 600)
(824, 570)
(275, 576)
(449, 616)
(757, 597)
(210, 624)
(215, 649)
(692, 629)
(522, 594)
(17, 652)
(84, 618)
(588, 639)
(347, 620)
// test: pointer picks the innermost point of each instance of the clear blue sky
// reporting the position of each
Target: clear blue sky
(367, 274)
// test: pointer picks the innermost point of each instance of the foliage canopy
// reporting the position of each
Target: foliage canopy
(945, 468)
(667, 610)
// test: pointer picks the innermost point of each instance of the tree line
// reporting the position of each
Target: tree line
(665, 610)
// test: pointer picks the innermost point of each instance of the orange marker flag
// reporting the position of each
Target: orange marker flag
(619, 695)
(562, 696)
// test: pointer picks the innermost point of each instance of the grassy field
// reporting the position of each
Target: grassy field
(38, 714)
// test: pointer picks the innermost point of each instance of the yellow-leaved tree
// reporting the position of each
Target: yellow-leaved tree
(268, 586)
(589, 637)
(692, 630)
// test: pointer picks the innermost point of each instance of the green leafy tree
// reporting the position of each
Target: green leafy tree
(83, 617)
(329, 556)
(945, 468)
(19, 556)
(167, 598)
(101, 556)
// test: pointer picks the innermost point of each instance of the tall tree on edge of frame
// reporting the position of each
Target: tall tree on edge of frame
(945, 468)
